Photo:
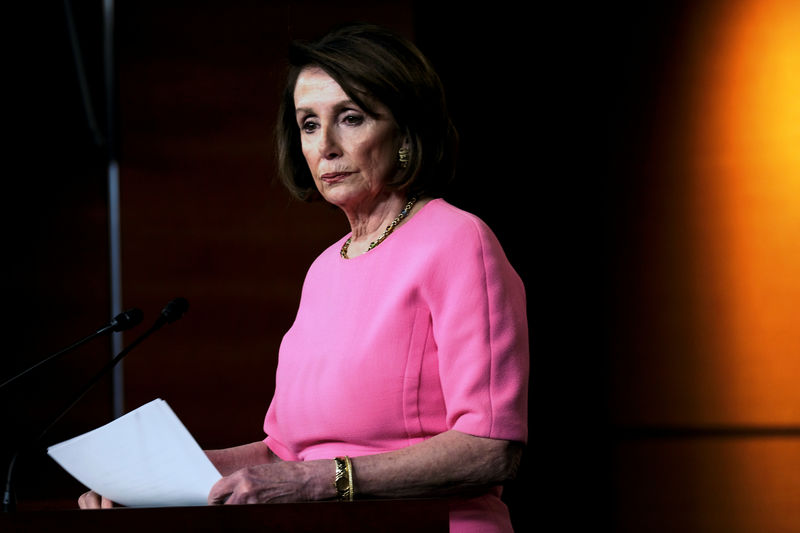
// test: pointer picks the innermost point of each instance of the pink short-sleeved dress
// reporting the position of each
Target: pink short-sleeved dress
(423, 334)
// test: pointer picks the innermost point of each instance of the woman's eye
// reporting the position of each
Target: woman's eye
(309, 127)
(353, 120)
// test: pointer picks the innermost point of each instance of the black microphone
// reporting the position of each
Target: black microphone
(174, 310)
(125, 320)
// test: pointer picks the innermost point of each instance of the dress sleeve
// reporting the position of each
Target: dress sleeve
(480, 327)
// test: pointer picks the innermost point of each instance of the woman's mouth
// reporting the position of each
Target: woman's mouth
(334, 177)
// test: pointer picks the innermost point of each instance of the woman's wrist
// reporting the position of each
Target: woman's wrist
(319, 480)
(343, 479)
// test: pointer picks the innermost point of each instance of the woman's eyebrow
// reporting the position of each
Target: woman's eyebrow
(346, 104)
(304, 111)
(337, 107)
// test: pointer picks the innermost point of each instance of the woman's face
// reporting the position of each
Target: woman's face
(350, 154)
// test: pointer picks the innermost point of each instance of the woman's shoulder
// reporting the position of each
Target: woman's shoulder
(439, 207)
(453, 243)
(447, 223)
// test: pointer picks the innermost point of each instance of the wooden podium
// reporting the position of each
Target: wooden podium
(385, 516)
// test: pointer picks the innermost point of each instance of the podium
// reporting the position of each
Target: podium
(386, 516)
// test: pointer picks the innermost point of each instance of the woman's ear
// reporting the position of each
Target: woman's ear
(403, 156)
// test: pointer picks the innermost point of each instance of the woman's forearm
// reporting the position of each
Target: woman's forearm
(451, 463)
(448, 464)
(230, 460)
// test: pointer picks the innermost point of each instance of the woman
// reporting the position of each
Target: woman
(405, 372)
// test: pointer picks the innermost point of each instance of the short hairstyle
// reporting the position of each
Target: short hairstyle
(372, 64)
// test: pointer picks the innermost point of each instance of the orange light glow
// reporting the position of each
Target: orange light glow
(746, 162)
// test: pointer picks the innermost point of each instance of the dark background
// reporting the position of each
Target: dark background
(567, 145)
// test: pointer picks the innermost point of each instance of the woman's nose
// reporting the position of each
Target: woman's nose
(329, 145)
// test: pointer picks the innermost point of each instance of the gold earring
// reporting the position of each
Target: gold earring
(402, 157)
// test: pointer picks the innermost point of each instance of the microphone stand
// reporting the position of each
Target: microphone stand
(56, 355)
(121, 322)
(9, 501)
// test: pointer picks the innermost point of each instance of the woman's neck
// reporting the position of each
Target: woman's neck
(368, 224)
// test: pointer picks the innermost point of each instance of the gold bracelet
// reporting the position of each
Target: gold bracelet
(343, 481)
(352, 486)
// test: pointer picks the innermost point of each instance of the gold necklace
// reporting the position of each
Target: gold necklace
(389, 229)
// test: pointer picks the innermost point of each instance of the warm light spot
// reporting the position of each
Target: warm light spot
(747, 174)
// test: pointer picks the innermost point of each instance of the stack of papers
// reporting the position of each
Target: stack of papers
(146, 458)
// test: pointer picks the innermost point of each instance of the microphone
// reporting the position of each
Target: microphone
(173, 311)
(123, 321)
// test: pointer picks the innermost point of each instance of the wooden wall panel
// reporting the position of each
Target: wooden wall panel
(202, 214)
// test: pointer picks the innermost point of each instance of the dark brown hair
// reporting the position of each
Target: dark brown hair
(373, 64)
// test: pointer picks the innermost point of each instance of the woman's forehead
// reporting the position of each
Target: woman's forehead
(314, 86)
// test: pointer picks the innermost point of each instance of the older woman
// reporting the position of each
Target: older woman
(405, 372)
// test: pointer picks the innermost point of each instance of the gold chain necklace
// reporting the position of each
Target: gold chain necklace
(389, 229)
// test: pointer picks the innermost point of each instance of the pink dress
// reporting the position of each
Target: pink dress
(423, 334)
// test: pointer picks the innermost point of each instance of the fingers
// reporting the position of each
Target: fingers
(220, 492)
(92, 500)
(220, 499)
(89, 500)
(233, 490)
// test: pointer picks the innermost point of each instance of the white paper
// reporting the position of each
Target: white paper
(146, 458)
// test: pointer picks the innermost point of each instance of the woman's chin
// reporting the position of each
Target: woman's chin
(342, 194)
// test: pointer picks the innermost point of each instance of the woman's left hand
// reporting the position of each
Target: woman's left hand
(281, 482)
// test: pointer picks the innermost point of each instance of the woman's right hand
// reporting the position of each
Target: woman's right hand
(92, 500)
